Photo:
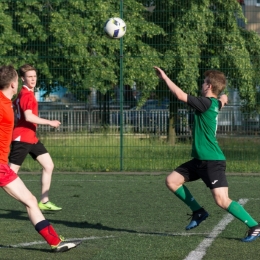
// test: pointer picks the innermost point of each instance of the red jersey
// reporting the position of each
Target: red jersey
(25, 131)
(6, 127)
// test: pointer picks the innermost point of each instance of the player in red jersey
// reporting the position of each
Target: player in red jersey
(25, 141)
(9, 180)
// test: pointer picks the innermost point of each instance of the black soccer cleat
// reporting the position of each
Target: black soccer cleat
(197, 217)
(252, 234)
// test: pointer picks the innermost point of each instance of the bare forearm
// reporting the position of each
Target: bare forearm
(36, 120)
(179, 93)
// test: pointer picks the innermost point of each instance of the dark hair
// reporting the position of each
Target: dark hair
(7, 75)
(23, 69)
(216, 79)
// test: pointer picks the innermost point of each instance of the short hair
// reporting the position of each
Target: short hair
(23, 69)
(216, 79)
(7, 75)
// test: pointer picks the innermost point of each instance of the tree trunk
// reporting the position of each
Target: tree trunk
(171, 130)
(172, 121)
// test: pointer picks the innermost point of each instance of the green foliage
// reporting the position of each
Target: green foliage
(205, 35)
(66, 42)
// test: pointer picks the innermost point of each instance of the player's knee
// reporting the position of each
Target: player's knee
(14, 167)
(219, 203)
(31, 201)
(48, 168)
(168, 181)
(222, 202)
(171, 183)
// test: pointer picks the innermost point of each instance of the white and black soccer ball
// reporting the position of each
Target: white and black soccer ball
(115, 28)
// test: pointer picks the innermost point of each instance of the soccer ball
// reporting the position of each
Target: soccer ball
(115, 28)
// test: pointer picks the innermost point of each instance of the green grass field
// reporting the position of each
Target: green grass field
(95, 153)
(128, 217)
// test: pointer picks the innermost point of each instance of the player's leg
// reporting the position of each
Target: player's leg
(18, 153)
(15, 187)
(39, 153)
(47, 167)
(18, 190)
(14, 167)
(215, 179)
(175, 182)
(222, 199)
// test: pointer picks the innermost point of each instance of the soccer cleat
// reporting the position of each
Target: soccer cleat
(64, 246)
(197, 217)
(48, 206)
(252, 234)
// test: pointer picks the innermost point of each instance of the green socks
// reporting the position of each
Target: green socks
(184, 194)
(234, 208)
(240, 213)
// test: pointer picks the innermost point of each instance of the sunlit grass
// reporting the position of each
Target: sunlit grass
(105, 152)
(127, 216)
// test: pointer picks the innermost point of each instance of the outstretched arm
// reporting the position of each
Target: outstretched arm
(181, 95)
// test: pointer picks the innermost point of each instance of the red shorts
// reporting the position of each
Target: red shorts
(7, 175)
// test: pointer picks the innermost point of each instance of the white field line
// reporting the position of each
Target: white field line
(43, 242)
(200, 251)
(93, 237)
(197, 254)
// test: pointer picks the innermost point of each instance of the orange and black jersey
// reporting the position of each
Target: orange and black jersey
(6, 127)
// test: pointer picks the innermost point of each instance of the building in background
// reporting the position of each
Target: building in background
(251, 9)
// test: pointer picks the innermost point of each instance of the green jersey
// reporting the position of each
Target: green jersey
(205, 145)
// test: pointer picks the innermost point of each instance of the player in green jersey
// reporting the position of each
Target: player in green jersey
(209, 162)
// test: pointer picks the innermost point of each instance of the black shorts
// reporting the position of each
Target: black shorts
(211, 172)
(19, 151)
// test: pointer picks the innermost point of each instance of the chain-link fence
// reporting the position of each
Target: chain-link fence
(115, 114)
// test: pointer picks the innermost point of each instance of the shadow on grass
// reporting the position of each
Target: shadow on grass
(21, 215)
(26, 248)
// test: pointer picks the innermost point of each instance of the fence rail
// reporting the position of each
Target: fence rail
(231, 121)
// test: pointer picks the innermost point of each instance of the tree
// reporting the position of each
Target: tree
(65, 40)
(204, 34)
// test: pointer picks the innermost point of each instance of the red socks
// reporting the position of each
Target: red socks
(46, 230)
